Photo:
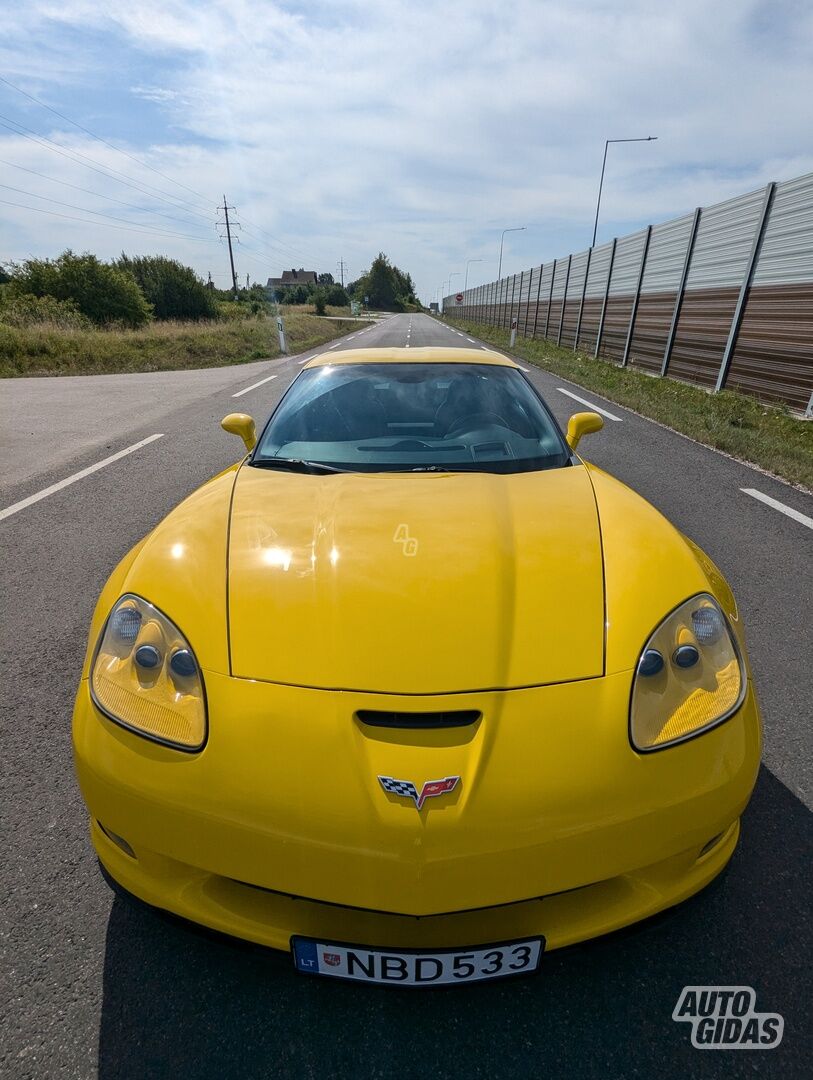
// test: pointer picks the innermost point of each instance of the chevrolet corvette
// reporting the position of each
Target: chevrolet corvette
(412, 691)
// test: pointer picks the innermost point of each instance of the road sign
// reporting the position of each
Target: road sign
(459, 298)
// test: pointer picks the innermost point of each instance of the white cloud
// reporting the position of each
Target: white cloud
(422, 129)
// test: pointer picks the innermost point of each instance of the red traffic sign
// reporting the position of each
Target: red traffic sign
(459, 298)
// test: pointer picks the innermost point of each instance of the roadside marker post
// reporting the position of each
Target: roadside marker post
(513, 340)
(283, 348)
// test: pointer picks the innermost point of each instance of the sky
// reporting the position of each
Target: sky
(338, 129)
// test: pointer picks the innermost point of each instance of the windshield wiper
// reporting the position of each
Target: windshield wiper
(296, 465)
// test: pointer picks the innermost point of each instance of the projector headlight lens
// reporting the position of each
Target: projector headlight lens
(700, 680)
(146, 678)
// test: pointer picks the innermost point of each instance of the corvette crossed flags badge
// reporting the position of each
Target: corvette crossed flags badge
(407, 790)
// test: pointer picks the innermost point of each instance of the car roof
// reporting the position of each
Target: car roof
(430, 355)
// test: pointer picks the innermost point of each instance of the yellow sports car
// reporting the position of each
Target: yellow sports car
(413, 691)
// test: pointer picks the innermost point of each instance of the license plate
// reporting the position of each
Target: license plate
(417, 967)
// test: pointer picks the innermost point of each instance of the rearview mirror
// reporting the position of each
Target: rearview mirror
(582, 423)
(240, 423)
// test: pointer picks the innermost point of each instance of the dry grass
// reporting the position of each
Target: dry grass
(161, 346)
(735, 423)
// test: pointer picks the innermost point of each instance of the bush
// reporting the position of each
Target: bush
(174, 290)
(319, 301)
(299, 294)
(104, 294)
(337, 296)
(27, 310)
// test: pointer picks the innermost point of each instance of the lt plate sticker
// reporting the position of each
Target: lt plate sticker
(419, 968)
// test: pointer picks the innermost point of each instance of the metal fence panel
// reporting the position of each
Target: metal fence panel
(599, 264)
(787, 250)
(723, 242)
(627, 264)
(578, 268)
(667, 253)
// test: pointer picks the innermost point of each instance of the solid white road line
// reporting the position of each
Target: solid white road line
(16, 507)
(595, 408)
(787, 510)
(254, 386)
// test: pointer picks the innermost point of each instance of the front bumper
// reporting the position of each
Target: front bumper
(271, 919)
(279, 826)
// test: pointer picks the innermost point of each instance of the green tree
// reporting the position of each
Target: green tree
(337, 297)
(320, 301)
(174, 290)
(103, 293)
(325, 279)
(387, 287)
(296, 295)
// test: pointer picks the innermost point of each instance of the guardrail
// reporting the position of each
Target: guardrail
(721, 297)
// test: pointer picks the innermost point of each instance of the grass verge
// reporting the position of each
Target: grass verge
(735, 423)
(161, 346)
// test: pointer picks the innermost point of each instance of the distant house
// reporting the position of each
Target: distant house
(291, 278)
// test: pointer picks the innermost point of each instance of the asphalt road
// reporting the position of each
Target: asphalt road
(95, 984)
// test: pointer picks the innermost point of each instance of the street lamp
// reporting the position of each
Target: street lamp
(519, 228)
(468, 262)
(649, 138)
(456, 273)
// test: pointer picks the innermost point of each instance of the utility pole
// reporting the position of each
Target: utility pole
(342, 268)
(225, 208)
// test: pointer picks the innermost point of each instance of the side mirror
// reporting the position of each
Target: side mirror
(239, 423)
(582, 423)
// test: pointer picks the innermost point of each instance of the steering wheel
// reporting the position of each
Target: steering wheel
(466, 423)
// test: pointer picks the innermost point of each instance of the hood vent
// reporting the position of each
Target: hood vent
(459, 718)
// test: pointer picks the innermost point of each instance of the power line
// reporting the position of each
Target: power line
(41, 140)
(275, 242)
(96, 194)
(103, 224)
(273, 260)
(93, 135)
(96, 213)
(281, 246)
(85, 210)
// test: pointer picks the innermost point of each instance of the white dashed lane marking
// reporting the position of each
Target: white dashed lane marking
(590, 405)
(788, 511)
(307, 358)
(60, 484)
(254, 386)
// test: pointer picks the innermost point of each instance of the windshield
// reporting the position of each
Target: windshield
(413, 417)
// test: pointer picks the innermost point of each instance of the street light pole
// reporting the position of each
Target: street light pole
(519, 228)
(447, 283)
(649, 138)
(468, 263)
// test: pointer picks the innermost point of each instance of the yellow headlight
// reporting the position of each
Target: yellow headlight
(689, 677)
(145, 676)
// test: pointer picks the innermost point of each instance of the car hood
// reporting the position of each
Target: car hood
(415, 583)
